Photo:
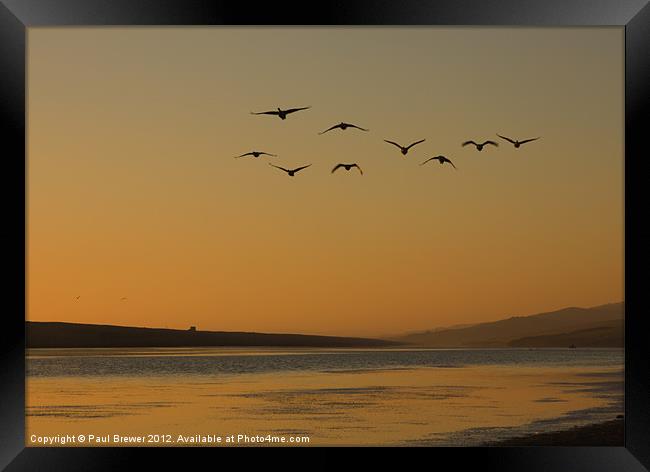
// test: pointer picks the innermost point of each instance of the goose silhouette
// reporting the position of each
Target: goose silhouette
(281, 113)
(405, 149)
(256, 154)
(517, 143)
(291, 172)
(479, 146)
(347, 167)
(343, 126)
(441, 159)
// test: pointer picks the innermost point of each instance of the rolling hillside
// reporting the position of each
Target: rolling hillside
(53, 335)
(596, 326)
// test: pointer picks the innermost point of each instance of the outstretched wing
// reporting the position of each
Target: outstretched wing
(330, 129)
(416, 142)
(358, 167)
(527, 140)
(491, 142)
(469, 142)
(265, 113)
(357, 127)
(430, 159)
(507, 139)
(301, 168)
(393, 143)
(268, 154)
(444, 159)
(336, 167)
(278, 167)
(293, 110)
(243, 155)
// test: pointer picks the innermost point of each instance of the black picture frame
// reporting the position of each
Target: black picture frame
(18, 15)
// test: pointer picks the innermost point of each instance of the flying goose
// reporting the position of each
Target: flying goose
(343, 126)
(281, 113)
(479, 146)
(441, 159)
(291, 172)
(516, 142)
(405, 149)
(347, 167)
(256, 154)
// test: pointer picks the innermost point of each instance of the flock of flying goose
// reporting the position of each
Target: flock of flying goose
(282, 114)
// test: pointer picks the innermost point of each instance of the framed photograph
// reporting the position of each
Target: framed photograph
(388, 225)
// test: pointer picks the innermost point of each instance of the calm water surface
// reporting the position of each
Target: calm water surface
(333, 396)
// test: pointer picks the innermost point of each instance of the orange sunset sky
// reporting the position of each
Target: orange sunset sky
(133, 190)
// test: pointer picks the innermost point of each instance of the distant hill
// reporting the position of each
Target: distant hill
(608, 335)
(542, 330)
(62, 335)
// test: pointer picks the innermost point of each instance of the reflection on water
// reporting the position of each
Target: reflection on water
(347, 397)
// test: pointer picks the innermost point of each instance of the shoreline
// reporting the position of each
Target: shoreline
(606, 433)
